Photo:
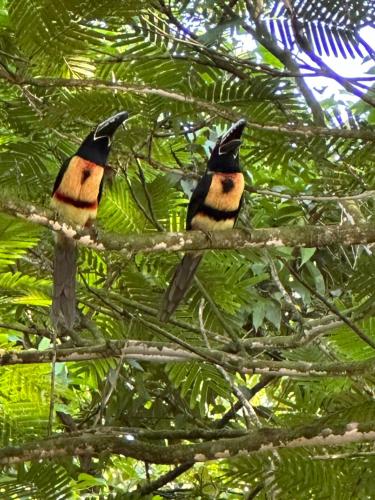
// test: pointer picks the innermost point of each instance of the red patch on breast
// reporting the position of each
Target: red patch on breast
(229, 175)
(87, 163)
(74, 202)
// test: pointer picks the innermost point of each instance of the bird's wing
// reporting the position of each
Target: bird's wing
(60, 175)
(198, 197)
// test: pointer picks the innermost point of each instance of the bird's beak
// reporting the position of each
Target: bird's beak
(109, 126)
(231, 140)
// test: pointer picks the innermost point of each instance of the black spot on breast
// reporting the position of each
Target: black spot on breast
(227, 184)
(85, 175)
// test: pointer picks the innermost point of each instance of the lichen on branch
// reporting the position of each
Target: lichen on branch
(130, 244)
(130, 443)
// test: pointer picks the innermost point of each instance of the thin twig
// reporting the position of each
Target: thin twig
(141, 176)
(157, 329)
(283, 291)
(32, 330)
(361, 196)
(249, 413)
(154, 313)
(134, 195)
(52, 390)
(210, 107)
(332, 307)
(112, 382)
(216, 310)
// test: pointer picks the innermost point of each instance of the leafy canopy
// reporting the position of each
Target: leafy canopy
(184, 70)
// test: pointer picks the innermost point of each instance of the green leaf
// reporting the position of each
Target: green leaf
(317, 276)
(259, 314)
(273, 314)
(306, 254)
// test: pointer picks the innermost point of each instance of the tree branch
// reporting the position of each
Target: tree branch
(254, 66)
(265, 439)
(185, 466)
(300, 197)
(253, 189)
(164, 353)
(128, 245)
(224, 112)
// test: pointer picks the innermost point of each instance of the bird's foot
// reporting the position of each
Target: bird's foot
(208, 235)
(247, 230)
(91, 230)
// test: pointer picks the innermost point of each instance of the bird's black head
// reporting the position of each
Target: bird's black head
(97, 144)
(225, 155)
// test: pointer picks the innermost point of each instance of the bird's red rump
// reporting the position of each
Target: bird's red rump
(87, 163)
(75, 203)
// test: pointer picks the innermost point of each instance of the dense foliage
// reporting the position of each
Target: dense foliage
(184, 71)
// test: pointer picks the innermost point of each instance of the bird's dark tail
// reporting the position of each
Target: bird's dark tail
(179, 284)
(64, 283)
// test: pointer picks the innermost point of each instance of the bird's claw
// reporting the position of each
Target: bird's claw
(208, 235)
(247, 230)
(91, 230)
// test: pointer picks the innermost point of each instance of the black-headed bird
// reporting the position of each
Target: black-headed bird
(76, 196)
(214, 206)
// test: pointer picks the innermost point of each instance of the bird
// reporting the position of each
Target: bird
(75, 197)
(214, 206)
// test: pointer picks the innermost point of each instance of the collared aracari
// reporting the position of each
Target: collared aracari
(214, 206)
(76, 196)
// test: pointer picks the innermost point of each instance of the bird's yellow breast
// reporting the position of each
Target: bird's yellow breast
(74, 215)
(225, 191)
(76, 197)
(207, 224)
(78, 185)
